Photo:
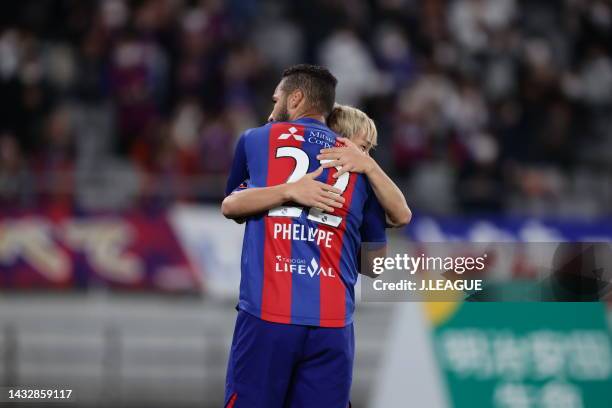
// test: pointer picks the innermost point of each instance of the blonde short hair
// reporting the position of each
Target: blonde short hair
(348, 121)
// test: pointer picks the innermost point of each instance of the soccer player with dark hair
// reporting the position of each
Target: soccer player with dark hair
(293, 344)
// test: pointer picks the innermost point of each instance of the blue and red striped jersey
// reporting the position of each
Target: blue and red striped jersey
(300, 265)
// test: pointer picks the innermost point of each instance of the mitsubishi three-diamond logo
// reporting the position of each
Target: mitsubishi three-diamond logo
(293, 133)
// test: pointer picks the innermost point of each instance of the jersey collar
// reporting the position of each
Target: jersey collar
(309, 120)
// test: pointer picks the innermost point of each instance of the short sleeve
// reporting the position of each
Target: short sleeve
(239, 171)
(243, 186)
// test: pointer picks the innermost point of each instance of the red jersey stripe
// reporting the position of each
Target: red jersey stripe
(276, 296)
(333, 291)
(232, 401)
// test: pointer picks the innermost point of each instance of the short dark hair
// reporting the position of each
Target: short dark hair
(317, 83)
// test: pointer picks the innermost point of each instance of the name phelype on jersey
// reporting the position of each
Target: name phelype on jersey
(305, 233)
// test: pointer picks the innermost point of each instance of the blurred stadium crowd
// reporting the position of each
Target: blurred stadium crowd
(482, 105)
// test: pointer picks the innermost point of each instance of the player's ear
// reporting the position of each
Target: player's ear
(296, 98)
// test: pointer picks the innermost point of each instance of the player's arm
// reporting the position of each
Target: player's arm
(397, 212)
(306, 191)
(351, 158)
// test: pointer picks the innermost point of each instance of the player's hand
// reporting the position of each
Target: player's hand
(312, 193)
(348, 158)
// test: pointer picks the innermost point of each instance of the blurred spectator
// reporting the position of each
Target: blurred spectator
(54, 163)
(15, 178)
(134, 78)
(395, 56)
(349, 59)
(471, 21)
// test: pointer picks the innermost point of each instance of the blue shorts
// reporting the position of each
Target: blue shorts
(274, 365)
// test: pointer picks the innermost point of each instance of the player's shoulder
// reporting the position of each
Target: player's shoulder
(256, 131)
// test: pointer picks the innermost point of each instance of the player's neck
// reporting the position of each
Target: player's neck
(315, 116)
